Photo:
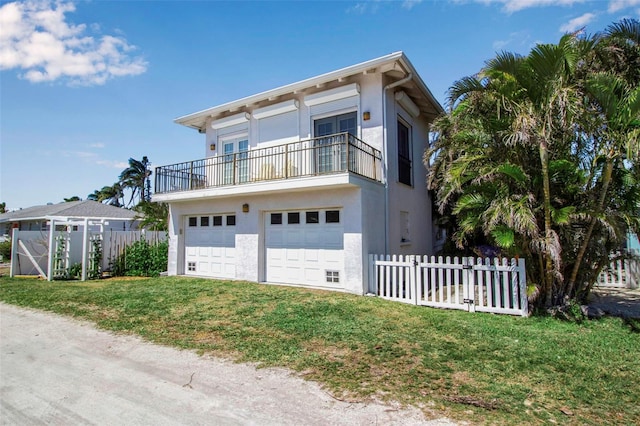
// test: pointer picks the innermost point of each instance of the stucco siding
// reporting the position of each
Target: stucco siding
(249, 239)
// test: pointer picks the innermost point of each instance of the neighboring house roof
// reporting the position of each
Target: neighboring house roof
(73, 209)
(395, 63)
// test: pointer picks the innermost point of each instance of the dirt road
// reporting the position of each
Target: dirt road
(55, 370)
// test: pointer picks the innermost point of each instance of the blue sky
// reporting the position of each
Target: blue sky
(85, 85)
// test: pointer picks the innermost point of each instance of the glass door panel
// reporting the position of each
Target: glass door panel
(323, 128)
(235, 160)
(331, 142)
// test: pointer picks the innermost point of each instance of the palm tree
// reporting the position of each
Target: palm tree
(136, 177)
(538, 95)
(619, 132)
(611, 85)
(539, 155)
(153, 216)
(112, 195)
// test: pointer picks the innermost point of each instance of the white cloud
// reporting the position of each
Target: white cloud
(372, 6)
(113, 164)
(78, 154)
(519, 39)
(408, 4)
(37, 40)
(617, 5)
(363, 7)
(577, 23)
(517, 5)
(97, 145)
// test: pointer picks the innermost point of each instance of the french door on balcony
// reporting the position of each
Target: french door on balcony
(330, 152)
(236, 163)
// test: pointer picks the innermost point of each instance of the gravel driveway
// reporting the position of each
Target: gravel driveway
(61, 371)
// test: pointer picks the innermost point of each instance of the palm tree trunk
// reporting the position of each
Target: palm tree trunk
(606, 179)
(546, 189)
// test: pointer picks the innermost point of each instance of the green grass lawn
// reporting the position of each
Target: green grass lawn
(477, 367)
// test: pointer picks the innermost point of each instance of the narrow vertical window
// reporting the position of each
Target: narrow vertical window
(404, 154)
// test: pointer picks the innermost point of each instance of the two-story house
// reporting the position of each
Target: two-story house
(301, 183)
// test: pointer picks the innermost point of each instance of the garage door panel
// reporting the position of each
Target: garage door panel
(203, 267)
(294, 238)
(312, 238)
(311, 255)
(292, 273)
(333, 237)
(302, 253)
(332, 256)
(293, 255)
(210, 250)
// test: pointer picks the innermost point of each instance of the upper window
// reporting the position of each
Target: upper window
(343, 123)
(404, 153)
(204, 221)
(193, 221)
(231, 220)
(217, 221)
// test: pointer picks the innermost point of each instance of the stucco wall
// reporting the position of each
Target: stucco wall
(250, 228)
(414, 199)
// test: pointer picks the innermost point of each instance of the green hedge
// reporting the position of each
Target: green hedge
(142, 259)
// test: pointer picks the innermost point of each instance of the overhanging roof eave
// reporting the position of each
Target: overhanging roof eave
(197, 119)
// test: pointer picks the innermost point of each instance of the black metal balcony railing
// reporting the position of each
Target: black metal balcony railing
(324, 155)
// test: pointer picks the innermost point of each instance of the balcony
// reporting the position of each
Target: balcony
(326, 155)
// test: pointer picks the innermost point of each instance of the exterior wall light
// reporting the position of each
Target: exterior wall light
(366, 115)
(245, 208)
(212, 147)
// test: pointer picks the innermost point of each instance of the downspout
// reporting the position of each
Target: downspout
(409, 77)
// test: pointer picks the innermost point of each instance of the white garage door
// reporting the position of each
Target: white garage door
(305, 247)
(210, 246)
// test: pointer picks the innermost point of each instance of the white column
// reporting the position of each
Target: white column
(52, 230)
(14, 251)
(85, 247)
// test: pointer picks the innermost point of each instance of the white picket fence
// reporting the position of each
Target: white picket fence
(475, 285)
(621, 273)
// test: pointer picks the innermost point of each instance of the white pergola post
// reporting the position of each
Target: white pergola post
(52, 229)
(14, 251)
(85, 248)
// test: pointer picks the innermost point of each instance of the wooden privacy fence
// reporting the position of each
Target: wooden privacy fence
(115, 243)
(52, 254)
(467, 283)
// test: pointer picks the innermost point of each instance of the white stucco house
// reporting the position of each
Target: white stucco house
(299, 184)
